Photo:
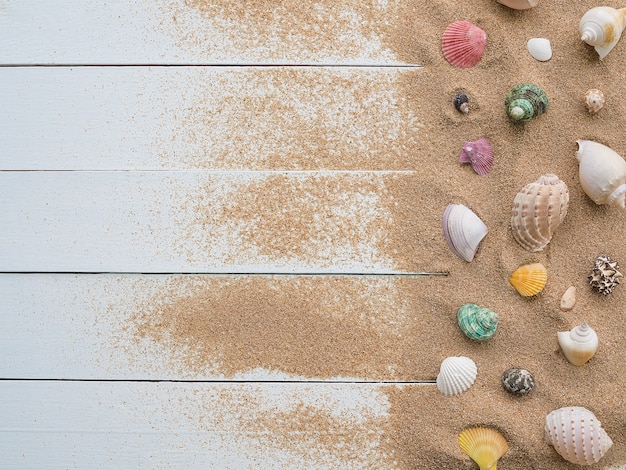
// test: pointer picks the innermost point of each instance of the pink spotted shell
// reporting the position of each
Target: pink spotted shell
(479, 155)
(463, 44)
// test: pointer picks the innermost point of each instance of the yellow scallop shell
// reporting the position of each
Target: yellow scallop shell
(484, 445)
(529, 279)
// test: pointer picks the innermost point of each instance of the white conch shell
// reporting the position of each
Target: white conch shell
(519, 4)
(456, 375)
(602, 27)
(463, 230)
(579, 344)
(540, 49)
(577, 435)
(602, 173)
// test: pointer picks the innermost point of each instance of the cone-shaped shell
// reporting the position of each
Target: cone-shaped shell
(479, 155)
(477, 323)
(519, 4)
(602, 173)
(579, 344)
(526, 101)
(577, 435)
(529, 279)
(463, 44)
(456, 375)
(594, 100)
(484, 445)
(538, 210)
(463, 231)
(602, 27)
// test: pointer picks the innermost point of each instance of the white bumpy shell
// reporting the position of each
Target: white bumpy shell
(602, 173)
(577, 435)
(456, 375)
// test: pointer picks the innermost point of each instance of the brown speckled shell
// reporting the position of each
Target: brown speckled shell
(538, 209)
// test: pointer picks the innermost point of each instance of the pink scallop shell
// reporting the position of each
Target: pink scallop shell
(463, 44)
(479, 154)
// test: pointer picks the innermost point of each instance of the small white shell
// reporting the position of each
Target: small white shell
(579, 344)
(594, 100)
(519, 4)
(577, 435)
(569, 299)
(602, 173)
(539, 49)
(463, 230)
(456, 375)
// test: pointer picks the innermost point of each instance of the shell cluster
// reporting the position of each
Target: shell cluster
(605, 275)
(602, 173)
(538, 210)
(463, 44)
(579, 344)
(463, 230)
(529, 279)
(483, 445)
(601, 27)
(526, 101)
(479, 155)
(456, 375)
(518, 381)
(477, 323)
(577, 435)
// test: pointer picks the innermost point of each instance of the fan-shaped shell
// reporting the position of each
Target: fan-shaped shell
(594, 100)
(456, 375)
(479, 155)
(577, 435)
(529, 279)
(538, 210)
(463, 44)
(477, 323)
(518, 381)
(484, 445)
(579, 344)
(463, 230)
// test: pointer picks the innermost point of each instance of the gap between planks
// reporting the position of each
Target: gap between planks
(229, 382)
(225, 64)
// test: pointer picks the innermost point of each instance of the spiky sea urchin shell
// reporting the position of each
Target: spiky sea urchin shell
(605, 275)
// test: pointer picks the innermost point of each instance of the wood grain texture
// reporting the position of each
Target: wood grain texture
(202, 32)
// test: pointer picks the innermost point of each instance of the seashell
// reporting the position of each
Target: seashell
(602, 27)
(540, 49)
(477, 323)
(463, 44)
(484, 445)
(461, 102)
(579, 344)
(456, 375)
(569, 299)
(594, 100)
(529, 279)
(479, 155)
(526, 101)
(605, 275)
(602, 173)
(519, 4)
(577, 435)
(538, 210)
(518, 381)
(463, 231)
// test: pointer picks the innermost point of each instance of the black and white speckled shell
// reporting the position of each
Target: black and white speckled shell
(518, 381)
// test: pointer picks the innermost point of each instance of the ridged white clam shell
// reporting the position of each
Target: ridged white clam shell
(463, 230)
(579, 344)
(540, 49)
(456, 375)
(538, 210)
(602, 173)
(577, 435)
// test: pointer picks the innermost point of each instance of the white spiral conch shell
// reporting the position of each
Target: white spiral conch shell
(519, 4)
(456, 375)
(602, 27)
(579, 344)
(463, 230)
(538, 210)
(577, 435)
(602, 173)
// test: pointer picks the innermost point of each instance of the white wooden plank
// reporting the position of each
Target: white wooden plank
(198, 31)
(225, 118)
(124, 327)
(194, 221)
(59, 425)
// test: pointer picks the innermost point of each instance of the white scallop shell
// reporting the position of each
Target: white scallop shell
(463, 230)
(602, 173)
(579, 344)
(539, 49)
(456, 375)
(577, 435)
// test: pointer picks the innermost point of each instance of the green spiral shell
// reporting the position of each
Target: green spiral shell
(526, 101)
(477, 323)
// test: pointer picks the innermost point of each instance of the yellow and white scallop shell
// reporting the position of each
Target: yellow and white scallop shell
(484, 445)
